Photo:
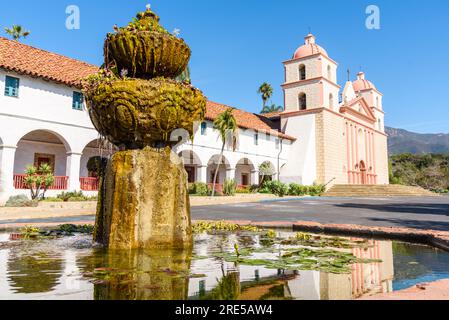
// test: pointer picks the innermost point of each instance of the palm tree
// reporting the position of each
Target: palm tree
(16, 32)
(266, 90)
(227, 127)
(272, 108)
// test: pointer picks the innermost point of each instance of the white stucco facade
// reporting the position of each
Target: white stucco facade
(317, 139)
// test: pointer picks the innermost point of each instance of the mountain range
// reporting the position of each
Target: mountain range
(403, 141)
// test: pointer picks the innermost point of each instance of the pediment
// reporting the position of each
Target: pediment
(359, 107)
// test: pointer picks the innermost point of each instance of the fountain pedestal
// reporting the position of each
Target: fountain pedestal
(144, 201)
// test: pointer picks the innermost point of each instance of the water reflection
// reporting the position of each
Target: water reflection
(57, 270)
(34, 272)
(138, 275)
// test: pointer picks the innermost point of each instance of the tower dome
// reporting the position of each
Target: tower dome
(309, 48)
(362, 84)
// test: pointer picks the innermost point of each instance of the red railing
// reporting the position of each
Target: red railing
(89, 184)
(218, 187)
(60, 183)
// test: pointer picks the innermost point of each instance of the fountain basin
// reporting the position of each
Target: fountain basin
(138, 113)
(148, 54)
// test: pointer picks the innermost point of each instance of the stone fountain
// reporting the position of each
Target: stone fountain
(136, 102)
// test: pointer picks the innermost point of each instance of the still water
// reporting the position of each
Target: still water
(69, 268)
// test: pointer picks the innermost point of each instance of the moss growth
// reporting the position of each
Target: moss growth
(146, 50)
(147, 54)
(142, 187)
(139, 113)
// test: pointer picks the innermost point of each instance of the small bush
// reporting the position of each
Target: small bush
(275, 187)
(254, 188)
(65, 196)
(199, 189)
(229, 187)
(297, 190)
(74, 196)
(243, 190)
(20, 201)
(52, 199)
(316, 190)
(280, 189)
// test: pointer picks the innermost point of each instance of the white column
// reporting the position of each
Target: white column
(73, 170)
(230, 173)
(201, 172)
(7, 155)
(254, 177)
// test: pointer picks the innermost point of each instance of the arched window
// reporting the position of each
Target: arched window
(331, 101)
(377, 102)
(302, 72)
(379, 122)
(302, 101)
(329, 73)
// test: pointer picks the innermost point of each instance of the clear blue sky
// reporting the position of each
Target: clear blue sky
(238, 44)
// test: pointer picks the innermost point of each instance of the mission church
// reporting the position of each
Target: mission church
(318, 138)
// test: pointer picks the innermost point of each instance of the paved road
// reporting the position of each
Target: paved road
(419, 213)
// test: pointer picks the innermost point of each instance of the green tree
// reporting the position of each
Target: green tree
(17, 32)
(227, 127)
(38, 180)
(266, 91)
(272, 108)
(266, 170)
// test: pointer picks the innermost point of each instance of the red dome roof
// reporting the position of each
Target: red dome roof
(309, 48)
(362, 84)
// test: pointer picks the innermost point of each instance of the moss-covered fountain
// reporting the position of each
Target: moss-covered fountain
(136, 102)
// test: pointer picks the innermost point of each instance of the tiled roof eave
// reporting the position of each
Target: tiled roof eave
(272, 131)
(75, 84)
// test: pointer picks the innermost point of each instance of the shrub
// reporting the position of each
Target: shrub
(316, 190)
(254, 188)
(275, 187)
(297, 190)
(199, 189)
(65, 196)
(52, 199)
(20, 201)
(243, 190)
(73, 196)
(229, 187)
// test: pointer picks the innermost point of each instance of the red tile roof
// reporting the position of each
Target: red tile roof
(245, 119)
(34, 62)
(272, 115)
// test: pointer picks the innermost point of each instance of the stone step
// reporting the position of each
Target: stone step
(376, 191)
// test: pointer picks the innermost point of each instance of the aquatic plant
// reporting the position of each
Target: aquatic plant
(326, 260)
(30, 232)
(206, 226)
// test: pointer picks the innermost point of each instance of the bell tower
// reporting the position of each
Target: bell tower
(310, 79)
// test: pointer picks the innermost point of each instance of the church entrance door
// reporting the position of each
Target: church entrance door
(363, 173)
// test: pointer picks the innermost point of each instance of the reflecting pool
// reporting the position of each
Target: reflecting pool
(221, 266)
